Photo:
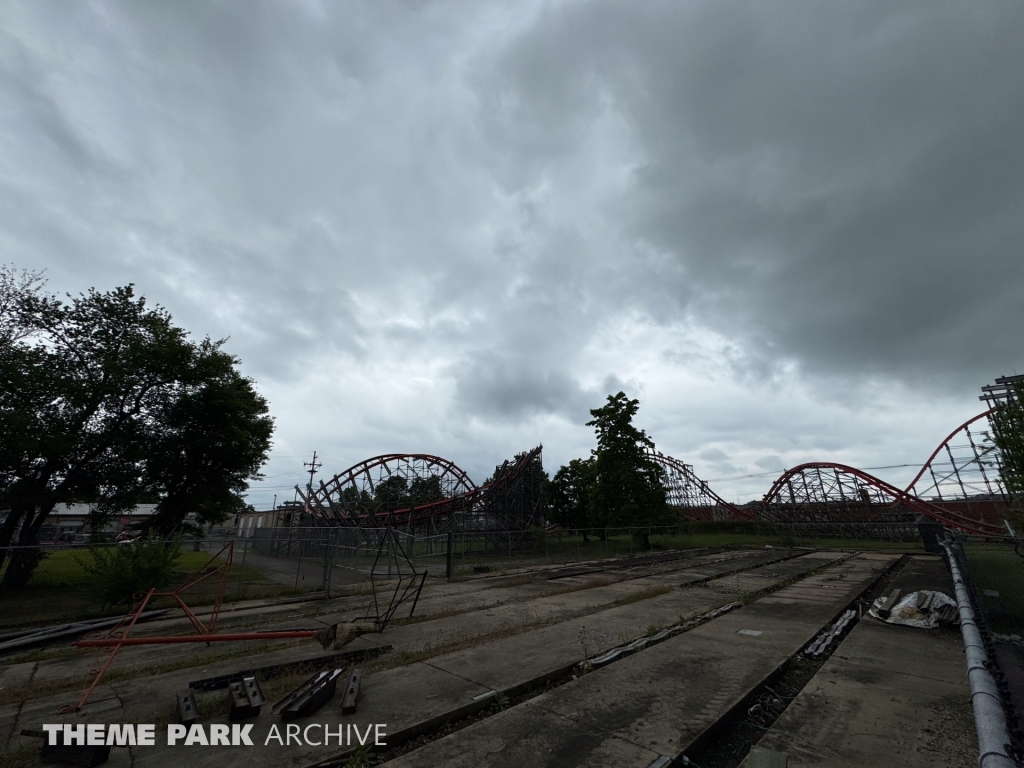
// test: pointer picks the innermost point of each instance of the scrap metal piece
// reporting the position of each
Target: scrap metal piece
(310, 696)
(348, 704)
(188, 712)
(339, 635)
(245, 698)
(306, 665)
(392, 563)
(822, 642)
(885, 605)
(118, 635)
(26, 638)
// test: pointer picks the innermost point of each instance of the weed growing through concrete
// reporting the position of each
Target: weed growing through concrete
(501, 701)
(360, 758)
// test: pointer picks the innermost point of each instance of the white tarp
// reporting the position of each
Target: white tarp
(906, 611)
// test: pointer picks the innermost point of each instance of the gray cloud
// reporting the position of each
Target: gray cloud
(459, 226)
(714, 455)
(771, 463)
(841, 187)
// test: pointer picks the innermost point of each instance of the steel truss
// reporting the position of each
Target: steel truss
(691, 496)
(959, 486)
(428, 494)
(964, 474)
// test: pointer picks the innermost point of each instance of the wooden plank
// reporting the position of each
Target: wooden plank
(348, 704)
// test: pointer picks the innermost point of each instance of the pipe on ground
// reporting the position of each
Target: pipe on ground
(989, 716)
(106, 642)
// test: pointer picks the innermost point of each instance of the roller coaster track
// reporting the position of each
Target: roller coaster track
(383, 490)
(958, 486)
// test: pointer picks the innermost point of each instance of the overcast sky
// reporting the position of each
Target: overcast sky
(793, 230)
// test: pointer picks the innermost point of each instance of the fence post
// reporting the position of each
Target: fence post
(448, 557)
(327, 566)
(298, 568)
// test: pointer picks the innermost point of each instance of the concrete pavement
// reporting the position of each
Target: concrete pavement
(889, 695)
(657, 702)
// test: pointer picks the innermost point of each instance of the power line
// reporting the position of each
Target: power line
(777, 473)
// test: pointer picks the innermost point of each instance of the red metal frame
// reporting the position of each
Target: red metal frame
(498, 503)
(964, 511)
(895, 495)
(118, 636)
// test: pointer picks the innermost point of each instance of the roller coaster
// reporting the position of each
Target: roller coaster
(428, 494)
(960, 486)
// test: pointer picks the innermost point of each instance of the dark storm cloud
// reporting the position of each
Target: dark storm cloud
(842, 182)
(459, 226)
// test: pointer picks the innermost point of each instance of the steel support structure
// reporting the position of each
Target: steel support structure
(118, 636)
(960, 486)
(422, 493)
(690, 496)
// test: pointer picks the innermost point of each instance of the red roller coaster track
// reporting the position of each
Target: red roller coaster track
(354, 497)
(959, 486)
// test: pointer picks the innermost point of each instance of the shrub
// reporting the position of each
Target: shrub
(119, 573)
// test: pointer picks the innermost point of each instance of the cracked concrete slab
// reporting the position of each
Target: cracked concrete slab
(658, 700)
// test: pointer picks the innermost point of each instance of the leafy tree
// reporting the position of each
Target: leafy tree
(570, 492)
(109, 403)
(391, 493)
(1008, 435)
(627, 488)
(16, 286)
(216, 434)
(423, 490)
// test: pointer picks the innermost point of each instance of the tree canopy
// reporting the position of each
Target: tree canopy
(104, 400)
(569, 493)
(619, 485)
(627, 488)
(1008, 435)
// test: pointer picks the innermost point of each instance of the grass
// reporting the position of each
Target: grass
(63, 568)
(59, 590)
(998, 568)
(21, 693)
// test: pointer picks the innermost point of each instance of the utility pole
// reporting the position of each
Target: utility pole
(313, 467)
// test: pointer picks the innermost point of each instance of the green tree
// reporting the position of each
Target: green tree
(16, 285)
(423, 490)
(215, 437)
(107, 402)
(627, 488)
(569, 492)
(1008, 436)
(391, 493)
